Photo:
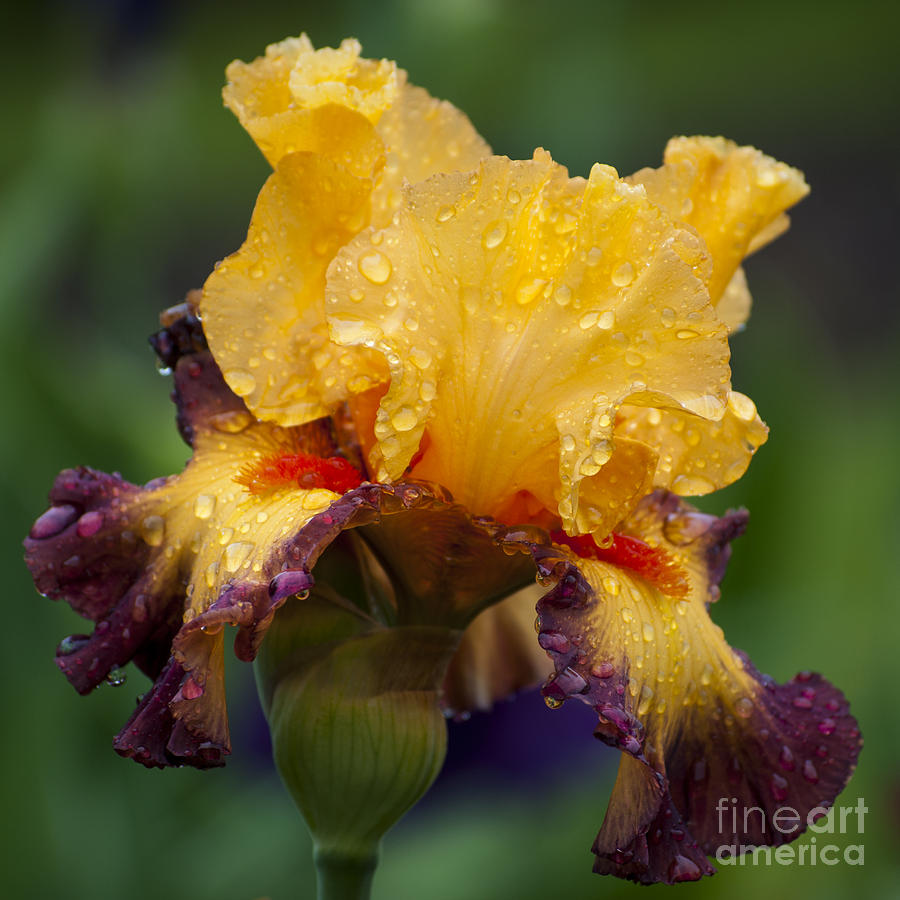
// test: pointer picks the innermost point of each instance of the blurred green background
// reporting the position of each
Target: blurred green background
(123, 181)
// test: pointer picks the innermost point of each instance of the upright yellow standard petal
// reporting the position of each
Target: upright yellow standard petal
(274, 96)
(734, 196)
(344, 134)
(280, 97)
(517, 310)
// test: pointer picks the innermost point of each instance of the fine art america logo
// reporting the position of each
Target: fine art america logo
(733, 819)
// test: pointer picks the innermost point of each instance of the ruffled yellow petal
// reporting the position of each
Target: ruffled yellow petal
(263, 307)
(287, 101)
(314, 114)
(734, 196)
(517, 310)
(697, 456)
(276, 96)
(212, 528)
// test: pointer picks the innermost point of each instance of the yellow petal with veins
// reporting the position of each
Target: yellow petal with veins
(263, 307)
(734, 196)
(697, 456)
(517, 309)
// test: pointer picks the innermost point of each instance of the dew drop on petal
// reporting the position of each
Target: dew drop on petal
(240, 381)
(623, 275)
(494, 235)
(236, 555)
(116, 677)
(204, 506)
(404, 419)
(375, 266)
(152, 530)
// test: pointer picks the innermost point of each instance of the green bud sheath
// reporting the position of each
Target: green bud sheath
(357, 730)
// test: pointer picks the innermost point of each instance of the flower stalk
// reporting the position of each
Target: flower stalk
(357, 730)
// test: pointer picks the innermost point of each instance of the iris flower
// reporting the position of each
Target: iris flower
(428, 376)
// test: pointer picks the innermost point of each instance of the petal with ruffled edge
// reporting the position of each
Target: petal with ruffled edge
(279, 97)
(314, 115)
(517, 310)
(162, 569)
(734, 196)
(264, 308)
(714, 754)
(697, 457)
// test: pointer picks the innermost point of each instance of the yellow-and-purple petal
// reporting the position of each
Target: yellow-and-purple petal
(712, 750)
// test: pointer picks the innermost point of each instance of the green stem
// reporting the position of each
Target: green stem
(343, 877)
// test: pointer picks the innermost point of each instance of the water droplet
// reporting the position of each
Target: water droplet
(553, 702)
(623, 275)
(603, 670)
(778, 786)
(809, 772)
(494, 235)
(743, 707)
(528, 289)
(827, 726)
(236, 555)
(152, 530)
(803, 703)
(204, 506)
(634, 359)
(563, 295)
(375, 266)
(786, 759)
(567, 442)
(116, 677)
(742, 406)
(290, 583)
(645, 701)
(233, 421)
(627, 615)
(445, 214)
(240, 381)
(53, 521)
(648, 632)
(692, 485)
(89, 524)
(685, 334)
(404, 419)
(588, 320)
(72, 644)
(706, 674)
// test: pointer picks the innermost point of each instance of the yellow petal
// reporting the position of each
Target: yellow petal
(697, 456)
(734, 196)
(517, 309)
(263, 307)
(329, 100)
(422, 136)
(734, 305)
(275, 96)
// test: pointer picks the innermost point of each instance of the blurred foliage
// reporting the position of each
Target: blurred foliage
(123, 180)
